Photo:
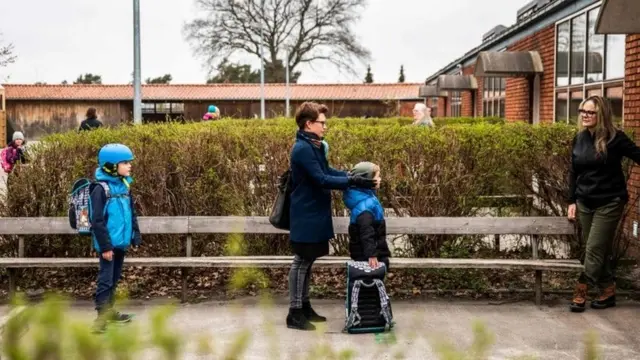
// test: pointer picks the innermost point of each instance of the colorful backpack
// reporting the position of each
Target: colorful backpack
(6, 166)
(80, 204)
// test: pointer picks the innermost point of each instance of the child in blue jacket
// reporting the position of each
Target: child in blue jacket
(114, 227)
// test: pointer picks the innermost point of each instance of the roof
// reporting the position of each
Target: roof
(619, 17)
(541, 13)
(392, 91)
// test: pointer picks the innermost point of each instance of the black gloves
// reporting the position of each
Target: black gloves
(361, 182)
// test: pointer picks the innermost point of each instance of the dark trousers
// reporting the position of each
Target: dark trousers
(108, 278)
(598, 230)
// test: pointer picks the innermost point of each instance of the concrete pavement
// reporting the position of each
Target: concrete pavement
(519, 329)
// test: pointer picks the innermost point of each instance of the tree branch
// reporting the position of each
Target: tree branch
(309, 30)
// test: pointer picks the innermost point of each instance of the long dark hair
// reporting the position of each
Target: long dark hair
(91, 113)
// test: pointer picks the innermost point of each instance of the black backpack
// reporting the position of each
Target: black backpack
(280, 217)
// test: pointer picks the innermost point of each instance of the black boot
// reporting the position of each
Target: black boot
(297, 320)
(310, 314)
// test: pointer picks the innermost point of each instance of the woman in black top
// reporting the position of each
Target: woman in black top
(598, 195)
(91, 122)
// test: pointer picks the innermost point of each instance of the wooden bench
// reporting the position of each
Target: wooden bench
(190, 225)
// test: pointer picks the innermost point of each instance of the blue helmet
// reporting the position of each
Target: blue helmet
(113, 154)
(212, 109)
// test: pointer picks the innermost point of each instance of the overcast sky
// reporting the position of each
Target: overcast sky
(60, 39)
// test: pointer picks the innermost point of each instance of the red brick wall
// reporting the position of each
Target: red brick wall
(442, 111)
(632, 121)
(480, 81)
(517, 90)
(467, 99)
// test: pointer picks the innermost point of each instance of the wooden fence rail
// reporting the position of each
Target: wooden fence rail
(189, 225)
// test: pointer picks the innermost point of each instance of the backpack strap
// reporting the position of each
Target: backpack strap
(384, 303)
(354, 318)
(105, 186)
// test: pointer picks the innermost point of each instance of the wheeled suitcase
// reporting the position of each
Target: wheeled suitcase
(367, 305)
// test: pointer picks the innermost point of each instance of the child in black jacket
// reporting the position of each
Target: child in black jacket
(367, 228)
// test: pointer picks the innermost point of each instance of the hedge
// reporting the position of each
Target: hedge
(230, 167)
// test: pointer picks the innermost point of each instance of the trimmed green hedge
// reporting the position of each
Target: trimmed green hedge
(230, 167)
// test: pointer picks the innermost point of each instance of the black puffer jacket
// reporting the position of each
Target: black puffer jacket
(367, 227)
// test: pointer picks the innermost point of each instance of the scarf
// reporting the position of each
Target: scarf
(312, 138)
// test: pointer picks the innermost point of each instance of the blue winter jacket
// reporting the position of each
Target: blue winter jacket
(113, 221)
(312, 181)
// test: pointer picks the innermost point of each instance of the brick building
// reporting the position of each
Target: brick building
(539, 69)
(44, 109)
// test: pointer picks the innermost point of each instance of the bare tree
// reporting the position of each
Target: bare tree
(310, 30)
(6, 54)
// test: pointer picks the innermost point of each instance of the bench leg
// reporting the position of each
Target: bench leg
(185, 276)
(13, 282)
(538, 287)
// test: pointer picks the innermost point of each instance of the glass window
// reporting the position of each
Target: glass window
(576, 99)
(148, 108)
(595, 49)
(562, 56)
(561, 106)
(177, 107)
(615, 56)
(614, 95)
(578, 45)
(586, 64)
(494, 88)
(594, 92)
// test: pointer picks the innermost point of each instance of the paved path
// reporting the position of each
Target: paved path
(519, 328)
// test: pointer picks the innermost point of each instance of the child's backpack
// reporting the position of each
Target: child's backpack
(80, 204)
(6, 166)
(368, 309)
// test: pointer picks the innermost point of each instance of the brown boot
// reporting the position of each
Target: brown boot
(579, 298)
(606, 299)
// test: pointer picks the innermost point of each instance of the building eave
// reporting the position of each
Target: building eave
(515, 29)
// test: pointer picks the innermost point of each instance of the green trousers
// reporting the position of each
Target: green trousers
(598, 230)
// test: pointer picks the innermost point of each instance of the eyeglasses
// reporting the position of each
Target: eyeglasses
(324, 123)
(587, 112)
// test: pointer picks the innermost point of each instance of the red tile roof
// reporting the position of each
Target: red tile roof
(391, 91)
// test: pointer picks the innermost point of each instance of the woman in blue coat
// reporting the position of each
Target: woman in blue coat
(310, 213)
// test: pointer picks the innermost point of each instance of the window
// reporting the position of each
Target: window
(562, 56)
(434, 106)
(578, 44)
(148, 108)
(587, 64)
(614, 94)
(615, 56)
(595, 49)
(493, 97)
(456, 104)
(163, 108)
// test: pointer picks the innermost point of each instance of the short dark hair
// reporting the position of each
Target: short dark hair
(91, 113)
(309, 111)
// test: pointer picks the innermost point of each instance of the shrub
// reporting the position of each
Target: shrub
(230, 167)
